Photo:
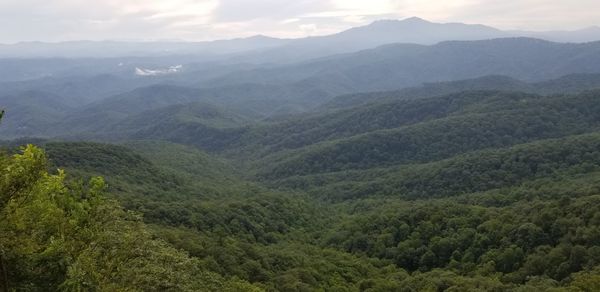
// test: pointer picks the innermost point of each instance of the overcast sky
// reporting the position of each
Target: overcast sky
(60, 20)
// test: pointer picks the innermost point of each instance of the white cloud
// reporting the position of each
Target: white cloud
(55, 20)
(290, 20)
(366, 7)
(157, 72)
(309, 28)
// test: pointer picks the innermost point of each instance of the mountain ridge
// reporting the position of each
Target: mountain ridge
(381, 32)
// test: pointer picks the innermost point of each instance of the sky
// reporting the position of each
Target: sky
(198, 20)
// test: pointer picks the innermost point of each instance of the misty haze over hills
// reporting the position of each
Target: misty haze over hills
(263, 78)
(404, 155)
(411, 30)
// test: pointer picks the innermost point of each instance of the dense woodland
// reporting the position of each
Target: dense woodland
(477, 190)
(465, 160)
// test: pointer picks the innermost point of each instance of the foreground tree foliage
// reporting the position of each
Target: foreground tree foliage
(59, 236)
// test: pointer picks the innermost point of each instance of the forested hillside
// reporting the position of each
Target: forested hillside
(60, 235)
(463, 191)
(86, 96)
(394, 66)
(397, 156)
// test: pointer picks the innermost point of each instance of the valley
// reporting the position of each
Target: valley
(463, 164)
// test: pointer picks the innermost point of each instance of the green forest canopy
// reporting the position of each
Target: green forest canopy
(505, 207)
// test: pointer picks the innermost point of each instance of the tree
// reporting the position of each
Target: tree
(55, 235)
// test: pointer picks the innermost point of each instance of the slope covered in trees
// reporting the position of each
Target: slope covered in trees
(58, 235)
(418, 131)
(104, 92)
(573, 83)
(518, 235)
(458, 191)
(395, 66)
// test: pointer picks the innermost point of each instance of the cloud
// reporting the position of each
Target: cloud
(157, 72)
(59, 20)
(531, 14)
(245, 10)
(97, 19)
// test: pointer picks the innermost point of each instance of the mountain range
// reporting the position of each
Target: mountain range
(399, 156)
(261, 48)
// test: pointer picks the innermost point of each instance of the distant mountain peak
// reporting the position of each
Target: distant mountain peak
(414, 30)
(260, 37)
(420, 23)
(410, 20)
(415, 20)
